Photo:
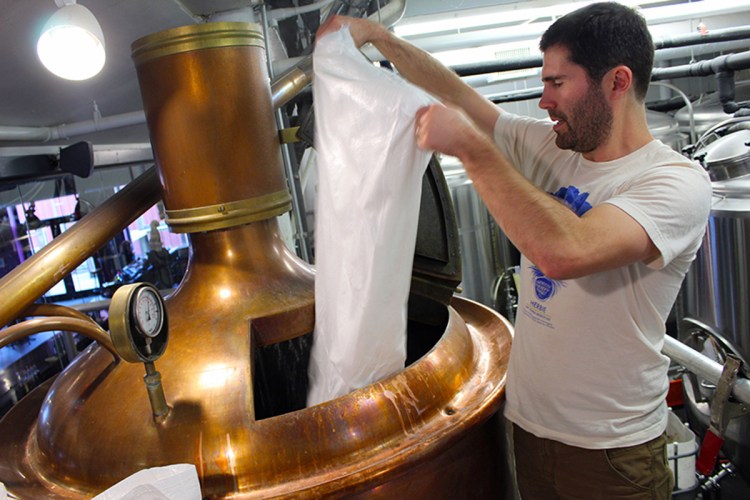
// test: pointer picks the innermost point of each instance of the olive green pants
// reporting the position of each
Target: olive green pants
(547, 469)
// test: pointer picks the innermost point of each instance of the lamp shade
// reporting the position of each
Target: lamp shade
(72, 44)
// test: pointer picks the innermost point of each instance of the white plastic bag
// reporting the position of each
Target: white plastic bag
(170, 482)
(369, 185)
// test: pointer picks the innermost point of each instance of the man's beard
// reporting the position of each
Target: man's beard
(593, 123)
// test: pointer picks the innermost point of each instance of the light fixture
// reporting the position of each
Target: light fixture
(72, 44)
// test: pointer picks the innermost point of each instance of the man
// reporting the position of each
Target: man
(607, 220)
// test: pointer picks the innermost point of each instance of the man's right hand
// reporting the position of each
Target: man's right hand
(362, 30)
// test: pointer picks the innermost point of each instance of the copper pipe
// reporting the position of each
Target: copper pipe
(159, 407)
(291, 83)
(85, 327)
(53, 310)
(34, 277)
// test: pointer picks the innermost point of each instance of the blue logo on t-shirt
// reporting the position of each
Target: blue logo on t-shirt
(574, 199)
(544, 287)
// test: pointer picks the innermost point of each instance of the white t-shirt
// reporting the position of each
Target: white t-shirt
(586, 366)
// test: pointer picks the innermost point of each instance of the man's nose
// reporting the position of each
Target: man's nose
(546, 102)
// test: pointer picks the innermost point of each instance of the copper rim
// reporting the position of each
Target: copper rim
(196, 37)
(231, 213)
(350, 444)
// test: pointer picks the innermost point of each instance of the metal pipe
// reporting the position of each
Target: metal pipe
(703, 366)
(390, 14)
(720, 35)
(298, 210)
(482, 68)
(300, 76)
(284, 88)
(181, 4)
(664, 57)
(87, 328)
(54, 310)
(721, 64)
(688, 104)
(286, 12)
(155, 390)
(730, 62)
(66, 131)
(495, 34)
(34, 277)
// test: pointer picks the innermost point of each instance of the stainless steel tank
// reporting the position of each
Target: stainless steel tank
(666, 128)
(707, 110)
(487, 256)
(715, 299)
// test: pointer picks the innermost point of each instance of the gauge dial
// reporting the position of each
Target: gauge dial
(148, 312)
(138, 323)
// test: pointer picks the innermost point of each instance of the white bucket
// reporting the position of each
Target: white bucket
(682, 448)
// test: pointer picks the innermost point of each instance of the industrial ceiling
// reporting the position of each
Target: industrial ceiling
(34, 100)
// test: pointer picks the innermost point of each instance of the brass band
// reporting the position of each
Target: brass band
(230, 214)
(196, 37)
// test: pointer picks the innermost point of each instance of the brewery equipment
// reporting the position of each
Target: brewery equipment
(714, 318)
(240, 322)
(666, 128)
(708, 111)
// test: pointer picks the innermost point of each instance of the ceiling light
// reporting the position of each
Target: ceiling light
(72, 43)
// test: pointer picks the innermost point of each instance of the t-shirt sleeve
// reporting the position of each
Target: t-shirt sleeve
(672, 203)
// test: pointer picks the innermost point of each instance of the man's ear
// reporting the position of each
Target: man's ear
(621, 80)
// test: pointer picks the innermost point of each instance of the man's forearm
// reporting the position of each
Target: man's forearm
(419, 67)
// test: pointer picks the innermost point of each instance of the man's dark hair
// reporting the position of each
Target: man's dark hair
(602, 36)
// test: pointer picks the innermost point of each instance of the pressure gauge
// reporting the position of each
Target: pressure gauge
(148, 311)
(138, 322)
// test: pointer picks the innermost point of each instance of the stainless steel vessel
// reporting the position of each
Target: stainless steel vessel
(487, 256)
(715, 299)
(707, 110)
(666, 128)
